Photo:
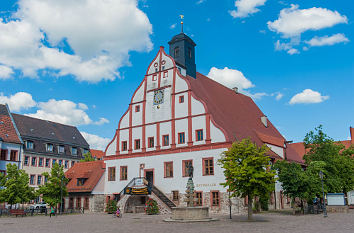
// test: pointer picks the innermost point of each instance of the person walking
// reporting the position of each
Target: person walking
(52, 212)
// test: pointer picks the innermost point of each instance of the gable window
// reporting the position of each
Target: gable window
(154, 77)
(165, 140)
(34, 161)
(175, 195)
(181, 138)
(3, 154)
(208, 166)
(151, 142)
(111, 173)
(137, 144)
(168, 169)
(49, 147)
(185, 166)
(25, 162)
(61, 149)
(199, 198)
(176, 52)
(165, 74)
(181, 99)
(29, 145)
(66, 164)
(124, 146)
(40, 162)
(215, 198)
(123, 173)
(32, 179)
(13, 155)
(73, 150)
(39, 180)
(53, 162)
(137, 108)
(81, 181)
(47, 162)
(199, 135)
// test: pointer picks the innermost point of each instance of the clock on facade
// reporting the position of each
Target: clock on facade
(158, 97)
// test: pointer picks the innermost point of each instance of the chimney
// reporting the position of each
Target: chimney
(352, 135)
(235, 89)
(264, 120)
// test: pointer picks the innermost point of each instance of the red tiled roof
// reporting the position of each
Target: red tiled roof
(295, 152)
(93, 171)
(7, 128)
(97, 153)
(235, 113)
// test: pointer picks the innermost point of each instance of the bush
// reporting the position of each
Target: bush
(111, 206)
(264, 200)
(151, 207)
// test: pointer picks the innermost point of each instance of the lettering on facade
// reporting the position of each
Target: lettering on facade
(205, 185)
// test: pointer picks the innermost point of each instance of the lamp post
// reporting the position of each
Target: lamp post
(61, 195)
(230, 204)
(324, 203)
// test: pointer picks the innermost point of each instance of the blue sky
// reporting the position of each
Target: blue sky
(79, 62)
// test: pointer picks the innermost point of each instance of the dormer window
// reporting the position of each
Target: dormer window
(176, 52)
(73, 150)
(81, 181)
(61, 149)
(49, 147)
(29, 145)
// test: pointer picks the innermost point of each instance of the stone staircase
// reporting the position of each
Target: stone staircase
(162, 197)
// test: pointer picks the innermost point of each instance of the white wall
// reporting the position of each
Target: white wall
(278, 150)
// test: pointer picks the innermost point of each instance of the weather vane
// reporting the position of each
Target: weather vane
(182, 17)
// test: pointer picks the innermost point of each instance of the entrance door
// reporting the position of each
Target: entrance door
(149, 175)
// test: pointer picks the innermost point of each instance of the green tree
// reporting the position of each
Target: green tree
(87, 157)
(15, 186)
(55, 186)
(247, 171)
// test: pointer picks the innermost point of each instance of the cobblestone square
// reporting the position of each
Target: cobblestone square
(131, 223)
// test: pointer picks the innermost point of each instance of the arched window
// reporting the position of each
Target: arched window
(176, 52)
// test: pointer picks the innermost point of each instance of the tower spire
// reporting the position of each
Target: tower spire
(182, 17)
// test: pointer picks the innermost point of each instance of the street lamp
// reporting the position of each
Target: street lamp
(61, 195)
(324, 203)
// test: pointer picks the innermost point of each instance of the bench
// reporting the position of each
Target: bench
(17, 212)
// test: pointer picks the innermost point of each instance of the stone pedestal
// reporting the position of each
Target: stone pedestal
(190, 214)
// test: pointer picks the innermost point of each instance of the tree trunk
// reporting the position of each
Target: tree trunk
(250, 211)
(293, 205)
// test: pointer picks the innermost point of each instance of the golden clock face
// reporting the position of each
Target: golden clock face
(158, 97)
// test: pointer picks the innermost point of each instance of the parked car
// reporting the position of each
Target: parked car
(39, 206)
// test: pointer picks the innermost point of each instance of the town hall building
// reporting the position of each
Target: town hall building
(178, 117)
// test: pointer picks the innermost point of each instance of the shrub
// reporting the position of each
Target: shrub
(111, 206)
(151, 207)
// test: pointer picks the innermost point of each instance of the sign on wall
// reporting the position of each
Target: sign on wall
(335, 199)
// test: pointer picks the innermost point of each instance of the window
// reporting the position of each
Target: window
(124, 146)
(165, 74)
(215, 199)
(185, 165)
(199, 198)
(181, 138)
(168, 169)
(47, 162)
(71, 203)
(181, 99)
(34, 161)
(123, 173)
(39, 180)
(208, 166)
(53, 162)
(199, 135)
(137, 144)
(86, 203)
(3, 154)
(40, 162)
(78, 202)
(61, 149)
(154, 77)
(45, 179)
(72, 163)
(60, 162)
(111, 173)
(32, 179)
(29, 145)
(25, 162)
(13, 155)
(175, 196)
(176, 52)
(165, 140)
(73, 150)
(151, 142)
(189, 53)
(137, 108)
(81, 181)
(66, 164)
(49, 147)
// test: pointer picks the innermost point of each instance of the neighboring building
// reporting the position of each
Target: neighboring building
(10, 140)
(46, 143)
(97, 154)
(86, 186)
(176, 117)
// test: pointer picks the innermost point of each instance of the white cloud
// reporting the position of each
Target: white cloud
(308, 96)
(279, 96)
(5, 72)
(96, 142)
(100, 33)
(18, 101)
(200, 2)
(65, 112)
(246, 7)
(294, 21)
(173, 26)
(293, 51)
(230, 78)
(327, 40)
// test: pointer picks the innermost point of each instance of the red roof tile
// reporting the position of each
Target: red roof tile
(295, 152)
(7, 128)
(98, 154)
(93, 171)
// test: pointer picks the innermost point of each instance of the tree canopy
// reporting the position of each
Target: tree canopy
(87, 157)
(247, 171)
